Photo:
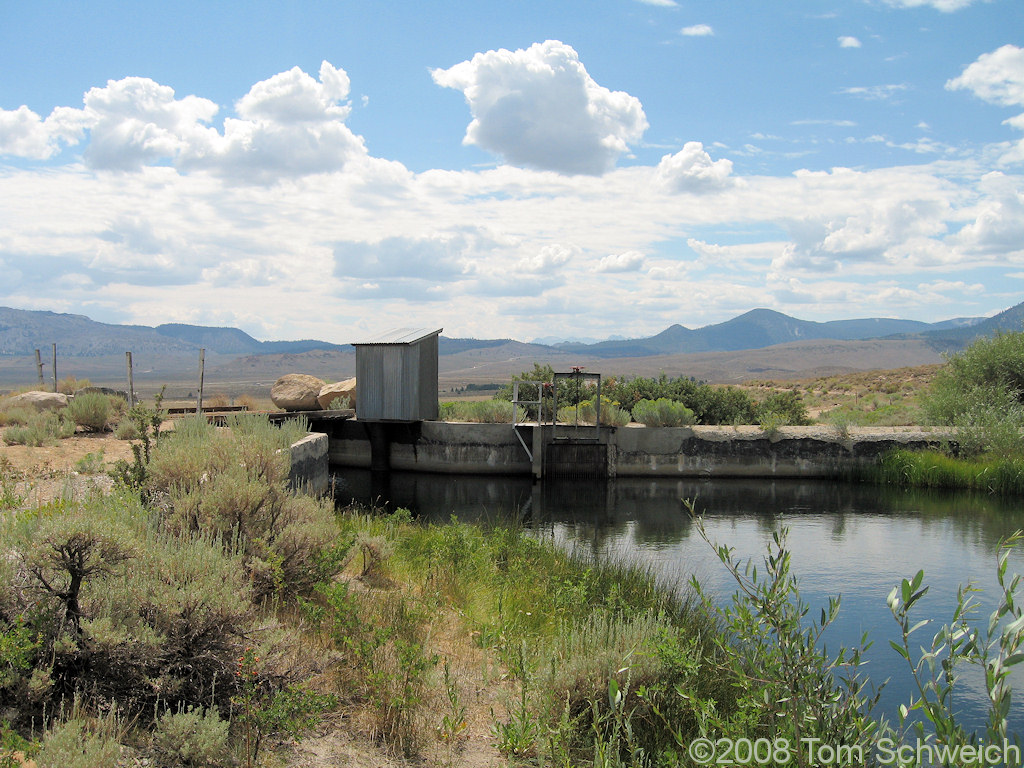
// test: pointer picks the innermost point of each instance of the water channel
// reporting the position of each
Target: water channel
(857, 541)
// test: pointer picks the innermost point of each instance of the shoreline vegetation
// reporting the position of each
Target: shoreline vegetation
(201, 614)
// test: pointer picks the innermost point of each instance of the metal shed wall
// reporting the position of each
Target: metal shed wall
(398, 379)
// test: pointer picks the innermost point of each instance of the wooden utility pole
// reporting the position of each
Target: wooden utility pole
(39, 370)
(131, 380)
(199, 400)
(55, 366)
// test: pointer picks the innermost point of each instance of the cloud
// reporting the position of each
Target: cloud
(538, 108)
(691, 169)
(697, 30)
(996, 77)
(549, 259)
(998, 226)
(136, 121)
(24, 134)
(244, 272)
(289, 125)
(946, 6)
(874, 92)
(660, 3)
(836, 123)
(428, 258)
(845, 41)
(630, 261)
(295, 97)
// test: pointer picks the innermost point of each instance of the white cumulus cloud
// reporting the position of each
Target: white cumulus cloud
(288, 125)
(691, 169)
(548, 259)
(996, 77)
(136, 121)
(998, 226)
(25, 134)
(295, 97)
(697, 30)
(538, 108)
(630, 261)
(846, 41)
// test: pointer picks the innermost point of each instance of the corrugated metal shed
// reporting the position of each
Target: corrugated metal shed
(397, 375)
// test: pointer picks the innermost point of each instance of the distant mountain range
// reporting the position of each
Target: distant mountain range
(23, 331)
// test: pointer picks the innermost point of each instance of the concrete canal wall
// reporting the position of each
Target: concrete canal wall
(310, 468)
(698, 451)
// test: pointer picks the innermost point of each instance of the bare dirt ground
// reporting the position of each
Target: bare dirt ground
(41, 474)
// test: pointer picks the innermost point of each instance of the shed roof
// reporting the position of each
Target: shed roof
(400, 336)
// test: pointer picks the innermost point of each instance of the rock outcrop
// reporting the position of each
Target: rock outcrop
(333, 395)
(39, 401)
(297, 392)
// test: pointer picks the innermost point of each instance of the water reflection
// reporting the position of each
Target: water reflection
(850, 540)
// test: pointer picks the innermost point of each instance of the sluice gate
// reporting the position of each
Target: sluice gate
(576, 459)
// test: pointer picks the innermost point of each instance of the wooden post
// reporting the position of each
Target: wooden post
(199, 400)
(131, 380)
(55, 366)
(39, 370)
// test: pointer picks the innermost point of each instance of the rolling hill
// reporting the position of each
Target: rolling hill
(758, 343)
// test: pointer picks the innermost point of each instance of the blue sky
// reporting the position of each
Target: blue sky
(516, 169)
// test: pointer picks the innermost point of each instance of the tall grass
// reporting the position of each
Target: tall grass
(587, 623)
(932, 469)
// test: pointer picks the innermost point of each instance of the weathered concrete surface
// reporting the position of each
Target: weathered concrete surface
(751, 452)
(699, 451)
(310, 468)
(433, 446)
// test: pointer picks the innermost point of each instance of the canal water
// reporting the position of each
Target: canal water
(854, 541)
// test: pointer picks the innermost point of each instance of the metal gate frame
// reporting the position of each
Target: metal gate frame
(578, 375)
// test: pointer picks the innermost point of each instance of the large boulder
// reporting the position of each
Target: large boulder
(39, 401)
(338, 391)
(297, 392)
(110, 391)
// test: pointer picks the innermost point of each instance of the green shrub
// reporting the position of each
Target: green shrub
(127, 430)
(662, 413)
(710, 405)
(585, 413)
(785, 408)
(980, 392)
(77, 744)
(190, 738)
(232, 484)
(16, 416)
(91, 410)
(118, 609)
(479, 411)
(91, 463)
(44, 428)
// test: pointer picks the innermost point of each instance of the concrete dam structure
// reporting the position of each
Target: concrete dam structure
(634, 451)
